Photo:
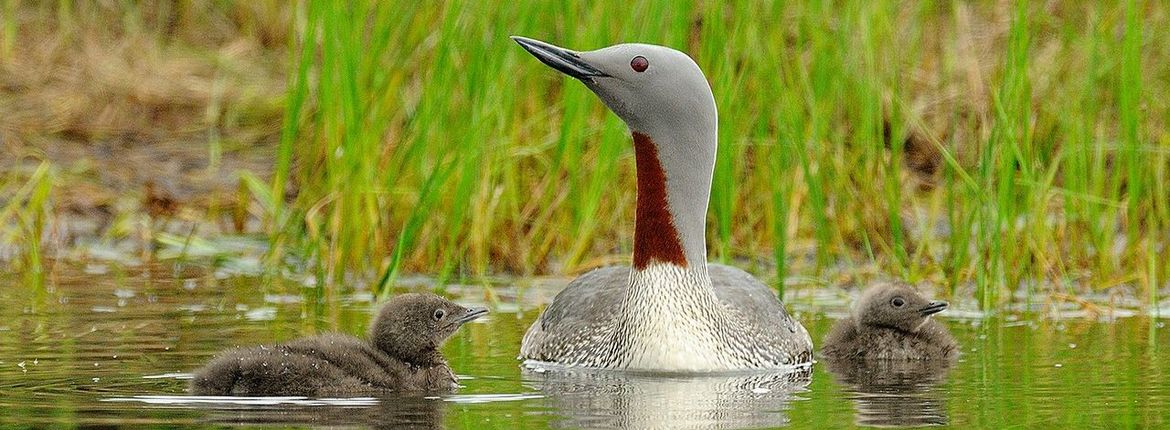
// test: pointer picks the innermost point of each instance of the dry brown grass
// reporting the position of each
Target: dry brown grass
(178, 94)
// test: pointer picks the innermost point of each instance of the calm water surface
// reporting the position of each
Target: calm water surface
(105, 346)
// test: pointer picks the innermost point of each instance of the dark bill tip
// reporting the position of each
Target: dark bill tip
(933, 308)
(564, 60)
(472, 314)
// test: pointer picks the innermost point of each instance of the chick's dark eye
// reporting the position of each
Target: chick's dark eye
(897, 302)
(639, 64)
(439, 314)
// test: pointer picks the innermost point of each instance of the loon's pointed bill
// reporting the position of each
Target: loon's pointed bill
(933, 308)
(564, 60)
(471, 314)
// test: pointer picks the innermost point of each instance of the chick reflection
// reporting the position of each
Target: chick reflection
(603, 399)
(411, 411)
(890, 354)
(893, 392)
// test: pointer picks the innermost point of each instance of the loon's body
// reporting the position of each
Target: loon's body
(891, 322)
(597, 322)
(326, 365)
(848, 341)
(401, 355)
(671, 311)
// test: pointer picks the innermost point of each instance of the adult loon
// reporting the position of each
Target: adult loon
(402, 354)
(672, 311)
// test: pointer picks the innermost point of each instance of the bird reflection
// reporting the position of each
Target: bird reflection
(391, 412)
(894, 392)
(606, 399)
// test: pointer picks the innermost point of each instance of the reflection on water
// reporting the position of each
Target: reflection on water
(607, 399)
(894, 393)
(114, 347)
(402, 411)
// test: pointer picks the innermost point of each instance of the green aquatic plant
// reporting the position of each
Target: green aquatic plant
(987, 147)
(23, 217)
(418, 141)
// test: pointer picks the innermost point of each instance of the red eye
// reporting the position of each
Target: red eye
(639, 64)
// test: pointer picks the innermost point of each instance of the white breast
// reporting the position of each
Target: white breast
(673, 322)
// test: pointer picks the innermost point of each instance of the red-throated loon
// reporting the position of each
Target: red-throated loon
(402, 354)
(672, 311)
(891, 321)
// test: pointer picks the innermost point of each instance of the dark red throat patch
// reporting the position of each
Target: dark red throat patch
(655, 237)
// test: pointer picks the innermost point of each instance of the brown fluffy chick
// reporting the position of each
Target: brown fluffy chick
(402, 354)
(891, 322)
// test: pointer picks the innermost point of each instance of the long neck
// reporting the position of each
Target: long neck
(674, 168)
(670, 316)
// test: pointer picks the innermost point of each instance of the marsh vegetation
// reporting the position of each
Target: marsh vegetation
(991, 149)
(181, 177)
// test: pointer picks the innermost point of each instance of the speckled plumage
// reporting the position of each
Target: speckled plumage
(401, 355)
(877, 330)
(663, 318)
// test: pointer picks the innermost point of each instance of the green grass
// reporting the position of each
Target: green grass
(464, 156)
(419, 138)
(24, 213)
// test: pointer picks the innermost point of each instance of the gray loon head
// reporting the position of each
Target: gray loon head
(663, 97)
(412, 327)
(894, 305)
(668, 315)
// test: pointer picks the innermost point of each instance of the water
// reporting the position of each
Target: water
(115, 347)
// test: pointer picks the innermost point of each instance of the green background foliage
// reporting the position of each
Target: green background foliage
(982, 146)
